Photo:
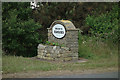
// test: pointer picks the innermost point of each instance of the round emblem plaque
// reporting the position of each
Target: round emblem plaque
(58, 30)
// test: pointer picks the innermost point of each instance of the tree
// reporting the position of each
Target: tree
(105, 25)
(75, 12)
(20, 35)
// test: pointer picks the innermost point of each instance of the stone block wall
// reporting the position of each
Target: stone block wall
(54, 53)
(70, 40)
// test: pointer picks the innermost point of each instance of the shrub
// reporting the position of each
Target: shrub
(20, 36)
(104, 26)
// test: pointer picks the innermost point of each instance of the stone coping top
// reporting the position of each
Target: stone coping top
(66, 23)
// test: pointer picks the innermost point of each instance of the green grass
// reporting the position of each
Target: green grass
(90, 47)
(13, 64)
(99, 54)
(17, 64)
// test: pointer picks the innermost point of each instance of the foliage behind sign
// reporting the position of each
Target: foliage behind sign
(19, 30)
(105, 25)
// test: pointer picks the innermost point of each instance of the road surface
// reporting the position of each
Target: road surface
(95, 75)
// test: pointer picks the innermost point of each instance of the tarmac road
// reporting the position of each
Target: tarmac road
(95, 75)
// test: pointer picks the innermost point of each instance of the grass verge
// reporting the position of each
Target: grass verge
(99, 55)
(12, 64)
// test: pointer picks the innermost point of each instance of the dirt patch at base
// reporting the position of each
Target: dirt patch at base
(42, 74)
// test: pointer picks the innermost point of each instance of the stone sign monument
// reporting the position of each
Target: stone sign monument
(64, 33)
